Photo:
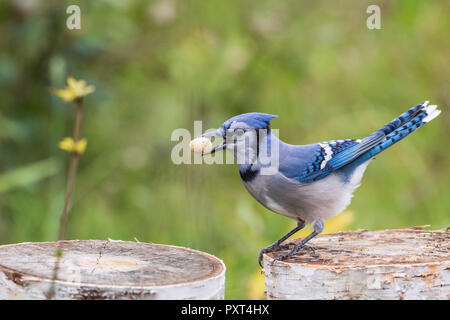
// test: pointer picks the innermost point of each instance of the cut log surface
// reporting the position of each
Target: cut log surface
(387, 264)
(95, 269)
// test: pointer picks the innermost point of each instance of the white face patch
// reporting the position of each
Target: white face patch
(242, 141)
(328, 154)
(237, 124)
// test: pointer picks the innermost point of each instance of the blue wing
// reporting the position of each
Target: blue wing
(332, 155)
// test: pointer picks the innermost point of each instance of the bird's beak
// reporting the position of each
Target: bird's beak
(215, 134)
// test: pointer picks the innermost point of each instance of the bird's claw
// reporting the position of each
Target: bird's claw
(294, 250)
(273, 248)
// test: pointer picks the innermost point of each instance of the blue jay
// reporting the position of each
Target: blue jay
(311, 183)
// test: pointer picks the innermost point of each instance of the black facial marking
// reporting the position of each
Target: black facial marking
(257, 143)
(248, 174)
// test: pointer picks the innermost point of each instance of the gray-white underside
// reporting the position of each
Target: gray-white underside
(321, 199)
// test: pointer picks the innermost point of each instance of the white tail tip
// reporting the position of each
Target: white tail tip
(431, 115)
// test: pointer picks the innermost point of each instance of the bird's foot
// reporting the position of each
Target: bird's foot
(294, 250)
(272, 248)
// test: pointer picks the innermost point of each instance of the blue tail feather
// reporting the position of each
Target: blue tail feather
(369, 142)
(421, 117)
(359, 151)
(402, 119)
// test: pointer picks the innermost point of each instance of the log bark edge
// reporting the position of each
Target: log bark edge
(385, 264)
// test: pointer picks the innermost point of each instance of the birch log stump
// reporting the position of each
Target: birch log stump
(387, 264)
(95, 269)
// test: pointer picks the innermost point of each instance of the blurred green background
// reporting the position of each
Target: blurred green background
(160, 65)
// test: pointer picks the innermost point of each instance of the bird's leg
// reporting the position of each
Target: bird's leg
(318, 228)
(277, 245)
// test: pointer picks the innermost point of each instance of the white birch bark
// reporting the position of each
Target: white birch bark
(386, 264)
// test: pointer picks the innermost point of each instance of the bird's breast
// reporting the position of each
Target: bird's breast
(259, 186)
(319, 199)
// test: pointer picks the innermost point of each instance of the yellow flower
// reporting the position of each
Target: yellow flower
(75, 89)
(67, 144)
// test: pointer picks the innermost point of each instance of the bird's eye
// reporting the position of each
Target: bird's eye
(239, 132)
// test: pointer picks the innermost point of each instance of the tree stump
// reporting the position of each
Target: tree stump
(95, 269)
(386, 264)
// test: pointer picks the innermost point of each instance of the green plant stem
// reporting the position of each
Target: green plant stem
(72, 172)
(69, 190)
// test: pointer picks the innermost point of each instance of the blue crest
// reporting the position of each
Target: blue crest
(255, 120)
